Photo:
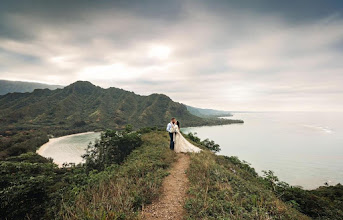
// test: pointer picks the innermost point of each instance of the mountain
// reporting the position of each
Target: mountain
(7, 86)
(201, 112)
(84, 106)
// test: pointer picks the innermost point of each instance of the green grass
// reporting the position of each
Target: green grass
(121, 192)
(220, 187)
(224, 188)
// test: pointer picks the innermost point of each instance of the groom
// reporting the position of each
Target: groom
(169, 129)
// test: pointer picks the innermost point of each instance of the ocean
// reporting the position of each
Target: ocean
(302, 148)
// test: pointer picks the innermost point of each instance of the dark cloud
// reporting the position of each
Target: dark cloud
(241, 55)
(293, 11)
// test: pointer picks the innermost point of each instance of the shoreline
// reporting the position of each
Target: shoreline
(42, 148)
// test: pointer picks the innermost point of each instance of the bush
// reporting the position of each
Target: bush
(326, 202)
(209, 144)
(119, 192)
(25, 187)
(112, 148)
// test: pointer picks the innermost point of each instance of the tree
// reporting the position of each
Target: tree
(112, 148)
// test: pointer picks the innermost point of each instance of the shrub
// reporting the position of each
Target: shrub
(119, 192)
(209, 144)
(112, 148)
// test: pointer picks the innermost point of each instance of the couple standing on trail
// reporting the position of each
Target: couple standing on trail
(177, 142)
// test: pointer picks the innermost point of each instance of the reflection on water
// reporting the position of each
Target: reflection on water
(68, 149)
(303, 149)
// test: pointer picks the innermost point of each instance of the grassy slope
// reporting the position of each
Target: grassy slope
(123, 190)
(221, 188)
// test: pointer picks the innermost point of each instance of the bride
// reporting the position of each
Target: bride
(181, 145)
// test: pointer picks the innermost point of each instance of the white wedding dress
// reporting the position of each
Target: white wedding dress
(181, 145)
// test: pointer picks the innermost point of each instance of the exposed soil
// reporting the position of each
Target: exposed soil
(174, 187)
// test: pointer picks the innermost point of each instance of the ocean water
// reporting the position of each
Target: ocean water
(302, 148)
(68, 149)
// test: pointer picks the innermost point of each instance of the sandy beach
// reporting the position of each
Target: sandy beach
(67, 148)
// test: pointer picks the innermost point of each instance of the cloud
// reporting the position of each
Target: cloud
(219, 55)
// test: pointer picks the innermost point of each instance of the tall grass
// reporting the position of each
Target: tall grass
(224, 188)
(122, 192)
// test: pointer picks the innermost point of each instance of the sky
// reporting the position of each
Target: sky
(258, 55)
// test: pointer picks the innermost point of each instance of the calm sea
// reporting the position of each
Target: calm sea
(302, 148)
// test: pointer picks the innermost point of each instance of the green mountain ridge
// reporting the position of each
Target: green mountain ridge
(7, 86)
(202, 112)
(84, 105)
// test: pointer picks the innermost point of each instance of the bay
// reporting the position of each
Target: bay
(302, 148)
(68, 149)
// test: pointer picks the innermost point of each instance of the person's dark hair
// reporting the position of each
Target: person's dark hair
(172, 118)
(178, 124)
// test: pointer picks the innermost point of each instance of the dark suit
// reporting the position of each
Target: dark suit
(171, 146)
(171, 135)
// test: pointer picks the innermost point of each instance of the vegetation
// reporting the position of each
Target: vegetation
(82, 107)
(83, 104)
(325, 202)
(200, 112)
(226, 188)
(33, 187)
(123, 190)
(221, 189)
(208, 144)
(27, 186)
(18, 142)
(113, 147)
(124, 171)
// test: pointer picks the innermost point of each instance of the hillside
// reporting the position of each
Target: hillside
(112, 187)
(128, 175)
(7, 86)
(202, 112)
(84, 105)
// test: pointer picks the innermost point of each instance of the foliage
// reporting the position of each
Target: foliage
(193, 137)
(112, 148)
(83, 105)
(200, 112)
(25, 185)
(121, 193)
(221, 189)
(243, 165)
(208, 144)
(18, 142)
(326, 202)
(33, 187)
(133, 165)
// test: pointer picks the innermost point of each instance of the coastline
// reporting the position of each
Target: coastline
(42, 148)
(307, 156)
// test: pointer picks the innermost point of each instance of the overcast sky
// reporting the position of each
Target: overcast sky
(232, 55)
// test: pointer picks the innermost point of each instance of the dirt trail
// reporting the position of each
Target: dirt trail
(174, 188)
